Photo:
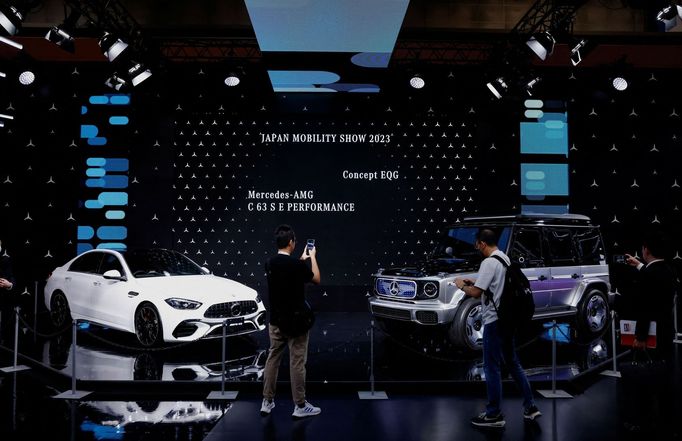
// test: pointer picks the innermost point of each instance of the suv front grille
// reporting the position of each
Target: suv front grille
(402, 289)
(427, 317)
(399, 314)
(231, 309)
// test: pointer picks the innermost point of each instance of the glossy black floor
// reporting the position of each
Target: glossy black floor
(434, 389)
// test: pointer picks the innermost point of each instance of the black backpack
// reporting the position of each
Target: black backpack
(516, 306)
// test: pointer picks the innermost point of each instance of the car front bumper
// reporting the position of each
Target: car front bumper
(425, 312)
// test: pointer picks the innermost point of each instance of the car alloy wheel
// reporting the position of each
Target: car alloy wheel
(474, 327)
(60, 314)
(596, 312)
(147, 325)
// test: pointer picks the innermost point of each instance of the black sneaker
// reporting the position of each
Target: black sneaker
(531, 413)
(484, 420)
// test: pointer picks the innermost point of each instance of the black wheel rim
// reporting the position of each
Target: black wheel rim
(60, 310)
(596, 313)
(147, 325)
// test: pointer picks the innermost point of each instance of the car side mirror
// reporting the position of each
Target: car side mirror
(449, 251)
(114, 275)
(205, 270)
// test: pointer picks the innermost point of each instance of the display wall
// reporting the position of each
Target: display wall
(206, 165)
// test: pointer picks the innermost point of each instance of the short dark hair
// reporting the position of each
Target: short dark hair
(283, 235)
(487, 236)
(657, 242)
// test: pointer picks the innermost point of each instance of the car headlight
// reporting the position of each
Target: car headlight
(183, 303)
(430, 289)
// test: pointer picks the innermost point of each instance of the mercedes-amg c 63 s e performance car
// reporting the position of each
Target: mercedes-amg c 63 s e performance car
(159, 295)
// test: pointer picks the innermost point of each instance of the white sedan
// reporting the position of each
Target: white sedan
(157, 294)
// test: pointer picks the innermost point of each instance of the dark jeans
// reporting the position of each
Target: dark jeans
(498, 350)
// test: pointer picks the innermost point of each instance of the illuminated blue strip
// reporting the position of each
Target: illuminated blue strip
(544, 179)
(97, 141)
(119, 100)
(96, 162)
(95, 183)
(93, 205)
(116, 165)
(115, 214)
(95, 172)
(544, 209)
(115, 182)
(112, 233)
(99, 99)
(85, 232)
(113, 198)
(83, 247)
(112, 246)
(84, 110)
(118, 120)
(89, 131)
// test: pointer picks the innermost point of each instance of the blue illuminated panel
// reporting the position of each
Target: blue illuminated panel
(104, 174)
(544, 179)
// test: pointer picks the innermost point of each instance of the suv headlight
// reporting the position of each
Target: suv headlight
(430, 289)
(183, 303)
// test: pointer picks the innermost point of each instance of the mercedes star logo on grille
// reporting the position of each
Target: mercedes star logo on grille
(235, 309)
(394, 288)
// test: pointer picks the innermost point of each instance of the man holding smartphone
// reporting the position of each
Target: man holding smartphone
(287, 277)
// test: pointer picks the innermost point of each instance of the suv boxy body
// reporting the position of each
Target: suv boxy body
(562, 255)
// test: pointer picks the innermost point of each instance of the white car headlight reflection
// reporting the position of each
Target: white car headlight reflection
(183, 303)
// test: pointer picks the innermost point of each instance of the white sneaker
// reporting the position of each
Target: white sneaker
(305, 411)
(267, 407)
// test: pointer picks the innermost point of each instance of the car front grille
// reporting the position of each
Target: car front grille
(231, 309)
(427, 317)
(399, 314)
(402, 289)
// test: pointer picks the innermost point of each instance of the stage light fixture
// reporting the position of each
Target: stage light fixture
(115, 82)
(27, 78)
(111, 46)
(531, 85)
(498, 87)
(417, 82)
(61, 35)
(232, 80)
(2, 115)
(669, 17)
(138, 73)
(619, 83)
(578, 52)
(541, 44)
(9, 42)
(10, 19)
(3, 75)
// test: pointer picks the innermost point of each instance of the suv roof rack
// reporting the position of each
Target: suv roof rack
(534, 218)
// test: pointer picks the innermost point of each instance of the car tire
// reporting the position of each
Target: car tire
(60, 312)
(148, 327)
(466, 329)
(593, 313)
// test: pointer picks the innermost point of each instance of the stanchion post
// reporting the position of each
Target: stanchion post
(554, 393)
(223, 394)
(613, 372)
(372, 394)
(35, 312)
(73, 394)
(15, 367)
(678, 334)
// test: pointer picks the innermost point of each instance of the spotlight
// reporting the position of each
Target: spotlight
(3, 75)
(138, 73)
(541, 44)
(531, 85)
(111, 46)
(417, 82)
(10, 20)
(61, 38)
(669, 17)
(579, 51)
(498, 87)
(27, 78)
(232, 80)
(115, 82)
(619, 83)
(9, 42)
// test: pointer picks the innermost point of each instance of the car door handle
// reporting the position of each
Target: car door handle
(574, 276)
(97, 283)
(542, 278)
(68, 279)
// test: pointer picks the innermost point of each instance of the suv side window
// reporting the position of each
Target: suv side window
(527, 248)
(87, 263)
(560, 244)
(590, 246)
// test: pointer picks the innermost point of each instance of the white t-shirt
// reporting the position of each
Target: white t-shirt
(491, 277)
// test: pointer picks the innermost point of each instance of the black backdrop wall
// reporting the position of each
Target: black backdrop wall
(206, 164)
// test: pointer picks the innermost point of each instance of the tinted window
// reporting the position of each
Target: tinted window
(561, 249)
(160, 263)
(110, 262)
(527, 248)
(87, 263)
(590, 246)
(458, 244)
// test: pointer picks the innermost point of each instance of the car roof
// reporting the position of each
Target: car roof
(529, 219)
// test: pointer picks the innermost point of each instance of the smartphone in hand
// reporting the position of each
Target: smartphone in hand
(310, 244)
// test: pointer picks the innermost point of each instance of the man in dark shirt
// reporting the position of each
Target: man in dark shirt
(287, 277)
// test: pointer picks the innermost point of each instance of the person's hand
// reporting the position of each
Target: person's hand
(632, 261)
(462, 282)
(308, 253)
(5, 284)
(640, 345)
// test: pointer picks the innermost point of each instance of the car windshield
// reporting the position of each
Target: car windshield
(457, 246)
(160, 263)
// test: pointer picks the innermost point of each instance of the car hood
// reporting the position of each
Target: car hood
(203, 288)
(432, 267)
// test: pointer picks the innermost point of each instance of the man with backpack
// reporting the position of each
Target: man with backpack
(498, 338)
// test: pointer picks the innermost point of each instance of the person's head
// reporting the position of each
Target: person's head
(285, 238)
(486, 241)
(655, 245)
